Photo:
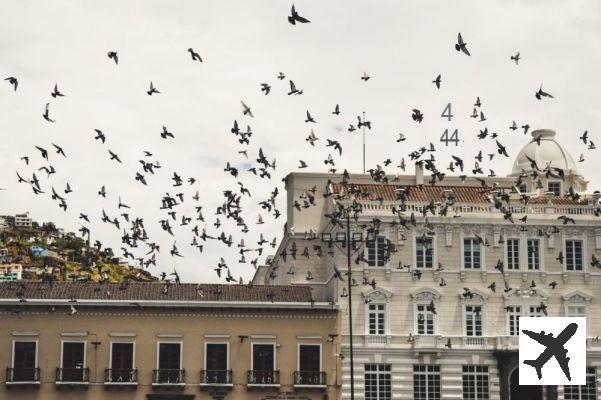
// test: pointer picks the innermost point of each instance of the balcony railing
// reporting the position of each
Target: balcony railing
(22, 376)
(120, 376)
(168, 377)
(377, 339)
(263, 378)
(215, 377)
(72, 376)
(310, 378)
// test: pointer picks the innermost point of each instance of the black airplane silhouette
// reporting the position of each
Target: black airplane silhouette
(554, 348)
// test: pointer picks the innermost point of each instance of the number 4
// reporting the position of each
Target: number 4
(446, 113)
(454, 137)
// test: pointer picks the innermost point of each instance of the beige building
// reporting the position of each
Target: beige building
(449, 271)
(166, 341)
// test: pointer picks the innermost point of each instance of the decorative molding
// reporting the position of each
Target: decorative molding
(496, 236)
(448, 235)
(122, 334)
(377, 295)
(525, 293)
(263, 336)
(309, 337)
(217, 336)
(32, 333)
(480, 297)
(577, 296)
(597, 238)
(425, 294)
(169, 335)
(74, 334)
(551, 241)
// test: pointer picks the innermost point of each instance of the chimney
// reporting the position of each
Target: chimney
(419, 173)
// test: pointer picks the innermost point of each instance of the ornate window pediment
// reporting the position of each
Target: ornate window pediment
(425, 295)
(377, 295)
(577, 297)
(477, 297)
(521, 295)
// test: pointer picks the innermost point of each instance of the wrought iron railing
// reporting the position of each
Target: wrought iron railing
(121, 375)
(310, 378)
(17, 375)
(79, 375)
(169, 376)
(257, 377)
(216, 377)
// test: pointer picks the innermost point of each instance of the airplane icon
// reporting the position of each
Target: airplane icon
(554, 348)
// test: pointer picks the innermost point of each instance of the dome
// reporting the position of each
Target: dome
(549, 152)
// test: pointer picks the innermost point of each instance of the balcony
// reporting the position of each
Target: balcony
(73, 376)
(427, 342)
(309, 379)
(377, 340)
(22, 377)
(263, 378)
(216, 378)
(169, 377)
(507, 343)
(121, 377)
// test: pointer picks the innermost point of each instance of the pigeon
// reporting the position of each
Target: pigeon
(55, 92)
(166, 133)
(365, 77)
(99, 135)
(13, 81)
(246, 110)
(265, 88)
(295, 17)
(437, 81)
(516, 58)
(540, 94)
(336, 110)
(195, 55)
(152, 89)
(113, 56)
(46, 114)
(461, 45)
(417, 115)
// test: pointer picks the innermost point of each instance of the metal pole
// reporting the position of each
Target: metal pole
(350, 297)
(363, 142)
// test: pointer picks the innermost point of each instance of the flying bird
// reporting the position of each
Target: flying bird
(46, 114)
(113, 56)
(540, 94)
(152, 89)
(265, 88)
(56, 92)
(437, 81)
(195, 55)
(295, 17)
(461, 45)
(516, 58)
(365, 77)
(246, 110)
(13, 81)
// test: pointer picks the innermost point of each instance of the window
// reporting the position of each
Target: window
(73, 362)
(573, 257)
(473, 320)
(535, 311)
(309, 365)
(263, 364)
(554, 187)
(533, 247)
(426, 382)
(122, 363)
(475, 382)
(471, 253)
(513, 254)
(425, 320)
(24, 362)
(376, 252)
(378, 382)
(376, 319)
(576, 311)
(169, 363)
(216, 363)
(513, 319)
(424, 252)
(584, 392)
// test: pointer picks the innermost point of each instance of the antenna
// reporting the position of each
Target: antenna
(363, 142)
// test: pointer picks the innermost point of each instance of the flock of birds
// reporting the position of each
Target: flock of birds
(138, 247)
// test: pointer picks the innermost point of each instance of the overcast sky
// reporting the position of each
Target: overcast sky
(402, 45)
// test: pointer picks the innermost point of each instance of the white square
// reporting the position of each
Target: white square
(548, 343)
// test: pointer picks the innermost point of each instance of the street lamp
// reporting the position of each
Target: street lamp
(349, 242)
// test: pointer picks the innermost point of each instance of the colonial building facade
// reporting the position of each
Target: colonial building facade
(448, 271)
(164, 341)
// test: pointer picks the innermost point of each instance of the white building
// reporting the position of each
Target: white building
(11, 272)
(23, 220)
(465, 346)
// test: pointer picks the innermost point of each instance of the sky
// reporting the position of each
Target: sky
(402, 45)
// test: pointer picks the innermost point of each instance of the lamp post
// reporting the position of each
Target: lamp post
(348, 241)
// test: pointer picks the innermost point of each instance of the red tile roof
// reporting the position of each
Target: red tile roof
(427, 193)
(154, 291)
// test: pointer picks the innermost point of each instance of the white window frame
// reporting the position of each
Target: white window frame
(482, 320)
(367, 312)
(584, 255)
(516, 314)
(85, 351)
(309, 344)
(541, 257)
(482, 254)
(37, 350)
(428, 375)
(384, 236)
(132, 342)
(227, 350)
(252, 354)
(181, 352)
(434, 253)
(535, 313)
(581, 387)
(555, 182)
(519, 250)
(475, 374)
(377, 374)
(416, 313)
